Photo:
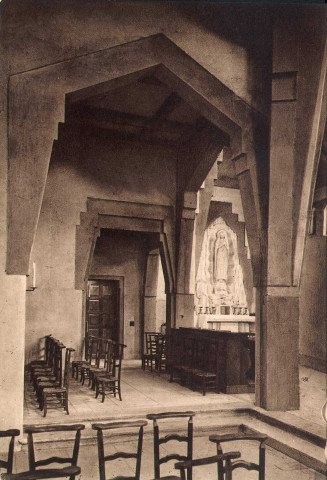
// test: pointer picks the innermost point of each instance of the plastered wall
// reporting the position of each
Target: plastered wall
(80, 169)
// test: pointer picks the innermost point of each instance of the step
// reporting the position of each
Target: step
(304, 447)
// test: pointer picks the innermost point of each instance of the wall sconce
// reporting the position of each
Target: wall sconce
(32, 287)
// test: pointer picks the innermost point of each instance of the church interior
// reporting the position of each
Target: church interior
(164, 214)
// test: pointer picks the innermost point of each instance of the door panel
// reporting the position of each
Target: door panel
(102, 309)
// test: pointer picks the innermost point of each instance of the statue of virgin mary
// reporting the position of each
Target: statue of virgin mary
(221, 254)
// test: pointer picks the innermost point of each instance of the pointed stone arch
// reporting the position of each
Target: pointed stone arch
(30, 142)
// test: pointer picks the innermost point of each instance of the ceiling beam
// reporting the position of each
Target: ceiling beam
(168, 106)
(124, 122)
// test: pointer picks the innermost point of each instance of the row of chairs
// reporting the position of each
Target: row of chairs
(194, 362)
(226, 462)
(102, 367)
(50, 377)
(155, 354)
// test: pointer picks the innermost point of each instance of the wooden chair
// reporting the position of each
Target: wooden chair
(110, 384)
(95, 359)
(54, 372)
(34, 473)
(48, 367)
(205, 374)
(107, 363)
(7, 464)
(148, 359)
(100, 427)
(58, 395)
(160, 356)
(231, 433)
(53, 379)
(188, 439)
(77, 364)
(45, 361)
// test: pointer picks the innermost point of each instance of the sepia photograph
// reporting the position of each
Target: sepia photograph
(163, 240)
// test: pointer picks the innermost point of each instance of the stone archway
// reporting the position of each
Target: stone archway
(30, 143)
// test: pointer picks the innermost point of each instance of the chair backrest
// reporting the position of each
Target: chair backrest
(108, 356)
(188, 439)
(100, 346)
(90, 345)
(69, 352)
(7, 464)
(100, 427)
(149, 336)
(95, 351)
(117, 358)
(52, 351)
(226, 457)
(58, 364)
(47, 348)
(33, 464)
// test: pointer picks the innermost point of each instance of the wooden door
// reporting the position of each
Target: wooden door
(102, 309)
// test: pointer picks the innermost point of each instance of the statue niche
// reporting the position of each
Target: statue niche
(219, 278)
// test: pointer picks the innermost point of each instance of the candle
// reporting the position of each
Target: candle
(34, 275)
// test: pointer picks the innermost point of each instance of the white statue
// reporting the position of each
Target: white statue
(220, 259)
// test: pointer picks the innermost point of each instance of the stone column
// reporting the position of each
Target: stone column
(184, 295)
(279, 299)
(12, 333)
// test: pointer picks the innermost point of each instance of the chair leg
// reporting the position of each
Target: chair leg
(103, 391)
(44, 404)
(66, 402)
(220, 463)
(262, 462)
(228, 469)
(119, 392)
(96, 389)
(203, 386)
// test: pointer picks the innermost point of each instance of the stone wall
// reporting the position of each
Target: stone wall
(313, 292)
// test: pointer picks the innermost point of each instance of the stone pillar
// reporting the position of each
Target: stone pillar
(279, 299)
(184, 295)
(12, 306)
(150, 291)
(12, 333)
